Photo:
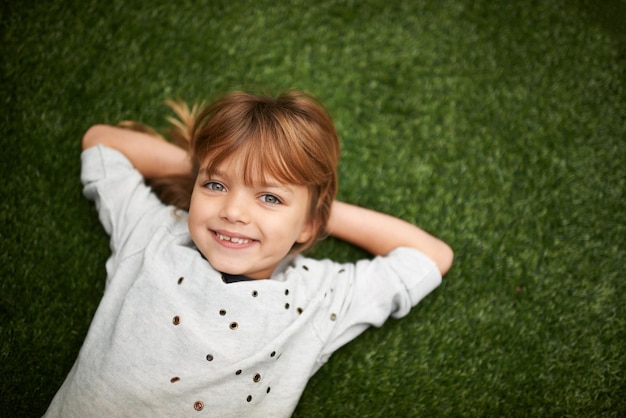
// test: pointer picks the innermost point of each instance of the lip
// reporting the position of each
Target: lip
(234, 239)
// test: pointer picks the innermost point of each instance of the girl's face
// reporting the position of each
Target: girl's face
(246, 229)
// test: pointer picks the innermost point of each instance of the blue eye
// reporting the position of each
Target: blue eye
(270, 199)
(215, 186)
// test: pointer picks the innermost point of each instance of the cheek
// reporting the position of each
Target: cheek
(298, 226)
(193, 214)
(197, 212)
(192, 223)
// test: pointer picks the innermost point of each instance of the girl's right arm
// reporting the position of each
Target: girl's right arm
(379, 234)
(152, 156)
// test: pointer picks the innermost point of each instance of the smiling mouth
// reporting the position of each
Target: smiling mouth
(234, 240)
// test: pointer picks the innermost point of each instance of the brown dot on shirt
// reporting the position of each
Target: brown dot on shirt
(333, 317)
(174, 379)
(249, 398)
(222, 312)
(234, 325)
(198, 406)
(176, 320)
(257, 378)
(286, 292)
(286, 306)
(209, 357)
(238, 372)
(255, 293)
(306, 268)
(180, 280)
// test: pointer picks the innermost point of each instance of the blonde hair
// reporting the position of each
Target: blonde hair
(290, 138)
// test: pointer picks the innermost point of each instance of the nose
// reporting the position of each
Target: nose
(235, 208)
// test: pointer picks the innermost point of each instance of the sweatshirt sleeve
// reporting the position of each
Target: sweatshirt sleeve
(373, 290)
(125, 204)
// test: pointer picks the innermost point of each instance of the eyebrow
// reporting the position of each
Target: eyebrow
(279, 186)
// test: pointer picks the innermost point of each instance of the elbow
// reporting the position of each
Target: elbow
(445, 259)
(93, 136)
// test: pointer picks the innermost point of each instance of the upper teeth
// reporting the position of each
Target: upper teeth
(233, 239)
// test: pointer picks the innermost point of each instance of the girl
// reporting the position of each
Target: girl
(211, 310)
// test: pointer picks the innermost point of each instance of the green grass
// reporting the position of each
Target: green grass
(498, 125)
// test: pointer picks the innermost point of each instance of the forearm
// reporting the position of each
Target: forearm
(152, 156)
(379, 233)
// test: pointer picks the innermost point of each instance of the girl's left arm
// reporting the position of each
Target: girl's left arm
(379, 234)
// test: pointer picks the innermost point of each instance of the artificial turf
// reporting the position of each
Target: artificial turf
(497, 125)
